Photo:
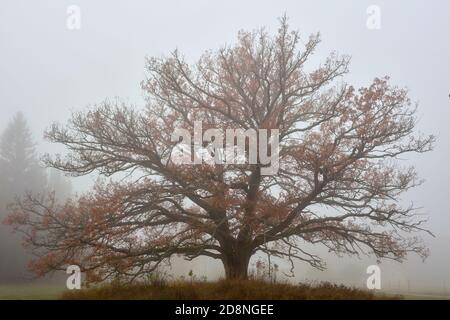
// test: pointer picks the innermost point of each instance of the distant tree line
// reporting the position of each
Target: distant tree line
(21, 173)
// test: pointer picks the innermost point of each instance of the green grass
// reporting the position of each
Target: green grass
(31, 292)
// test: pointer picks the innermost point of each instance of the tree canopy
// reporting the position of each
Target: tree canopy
(338, 185)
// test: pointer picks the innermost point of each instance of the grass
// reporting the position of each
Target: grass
(424, 295)
(30, 292)
(206, 290)
(224, 289)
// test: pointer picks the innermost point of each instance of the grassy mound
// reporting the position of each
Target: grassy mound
(224, 289)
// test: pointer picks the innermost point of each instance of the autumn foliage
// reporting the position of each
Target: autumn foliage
(338, 185)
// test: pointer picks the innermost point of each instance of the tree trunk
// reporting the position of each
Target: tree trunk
(236, 265)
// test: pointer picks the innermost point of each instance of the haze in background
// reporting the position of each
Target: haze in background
(47, 70)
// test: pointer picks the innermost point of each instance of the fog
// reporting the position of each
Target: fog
(47, 71)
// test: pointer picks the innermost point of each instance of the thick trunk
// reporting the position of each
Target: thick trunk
(236, 266)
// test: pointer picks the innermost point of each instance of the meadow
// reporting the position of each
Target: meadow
(222, 289)
(202, 290)
(31, 292)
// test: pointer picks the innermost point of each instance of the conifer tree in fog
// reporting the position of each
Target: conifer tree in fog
(19, 163)
(22, 174)
(19, 172)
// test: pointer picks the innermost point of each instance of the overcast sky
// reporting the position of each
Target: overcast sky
(46, 70)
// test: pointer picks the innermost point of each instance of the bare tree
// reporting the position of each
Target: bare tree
(338, 184)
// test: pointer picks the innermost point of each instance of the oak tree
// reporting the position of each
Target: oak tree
(338, 185)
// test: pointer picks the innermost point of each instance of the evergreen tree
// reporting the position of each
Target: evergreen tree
(19, 172)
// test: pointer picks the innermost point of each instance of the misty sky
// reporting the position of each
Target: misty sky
(47, 70)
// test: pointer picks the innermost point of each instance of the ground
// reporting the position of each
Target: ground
(30, 291)
(205, 290)
(225, 289)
